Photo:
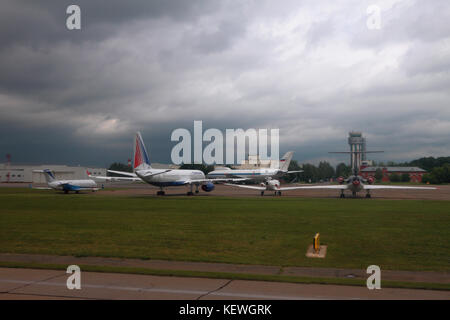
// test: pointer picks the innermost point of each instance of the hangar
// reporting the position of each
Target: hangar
(24, 173)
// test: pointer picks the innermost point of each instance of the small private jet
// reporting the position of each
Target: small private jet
(268, 185)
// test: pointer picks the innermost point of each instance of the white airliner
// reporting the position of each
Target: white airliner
(264, 174)
(167, 177)
(67, 185)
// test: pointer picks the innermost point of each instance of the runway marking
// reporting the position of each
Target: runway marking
(174, 291)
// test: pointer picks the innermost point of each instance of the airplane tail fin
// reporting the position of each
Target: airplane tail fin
(49, 175)
(141, 159)
(286, 160)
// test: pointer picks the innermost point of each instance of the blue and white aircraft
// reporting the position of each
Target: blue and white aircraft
(67, 185)
(166, 177)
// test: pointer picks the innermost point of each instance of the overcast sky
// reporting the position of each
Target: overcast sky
(311, 68)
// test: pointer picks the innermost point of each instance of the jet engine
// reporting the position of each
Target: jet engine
(370, 180)
(208, 187)
(340, 180)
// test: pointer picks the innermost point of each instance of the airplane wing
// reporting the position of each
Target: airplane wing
(246, 187)
(338, 186)
(371, 187)
(155, 174)
(295, 171)
(216, 180)
(130, 174)
(115, 179)
(41, 188)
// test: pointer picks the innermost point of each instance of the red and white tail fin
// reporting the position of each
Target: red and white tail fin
(141, 159)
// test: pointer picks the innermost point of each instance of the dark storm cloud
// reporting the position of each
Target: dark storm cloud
(310, 68)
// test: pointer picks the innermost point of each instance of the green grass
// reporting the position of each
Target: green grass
(394, 234)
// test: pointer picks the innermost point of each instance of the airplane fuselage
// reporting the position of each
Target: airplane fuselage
(165, 178)
(72, 185)
(257, 174)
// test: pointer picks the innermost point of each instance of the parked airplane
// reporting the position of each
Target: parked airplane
(66, 185)
(268, 185)
(263, 174)
(355, 183)
(166, 177)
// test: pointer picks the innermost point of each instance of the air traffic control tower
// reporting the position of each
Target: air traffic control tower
(357, 148)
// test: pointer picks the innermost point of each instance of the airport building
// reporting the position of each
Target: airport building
(25, 173)
(415, 173)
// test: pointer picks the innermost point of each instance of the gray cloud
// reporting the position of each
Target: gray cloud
(312, 69)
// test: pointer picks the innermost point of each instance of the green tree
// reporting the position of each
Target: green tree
(326, 171)
(378, 174)
(394, 177)
(405, 177)
(310, 172)
(441, 174)
(117, 166)
(343, 170)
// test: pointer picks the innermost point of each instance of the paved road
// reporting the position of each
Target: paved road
(51, 284)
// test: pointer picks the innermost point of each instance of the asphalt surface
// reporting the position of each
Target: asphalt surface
(441, 193)
(392, 275)
(51, 284)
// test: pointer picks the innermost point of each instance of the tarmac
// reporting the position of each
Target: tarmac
(143, 189)
(139, 189)
(26, 284)
(391, 275)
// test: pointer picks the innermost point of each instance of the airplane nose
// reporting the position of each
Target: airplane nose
(356, 182)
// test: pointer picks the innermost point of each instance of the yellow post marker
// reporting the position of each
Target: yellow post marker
(316, 242)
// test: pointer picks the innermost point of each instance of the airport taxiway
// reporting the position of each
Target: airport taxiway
(16, 283)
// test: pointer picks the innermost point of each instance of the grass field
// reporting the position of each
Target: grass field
(394, 234)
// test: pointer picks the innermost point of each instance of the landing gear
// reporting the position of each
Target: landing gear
(190, 193)
(342, 194)
(160, 192)
(279, 193)
(77, 192)
(368, 195)
(196, 188)
(354, 194)
(66, 191)
(262, 193)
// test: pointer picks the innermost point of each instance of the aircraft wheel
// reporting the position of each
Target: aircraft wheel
(279, 193)
(354, 194)
(196, 191)
(262, 193)
(368, 195)
(342, 195)
(190, 193)
(66, 191)
(77, 192)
